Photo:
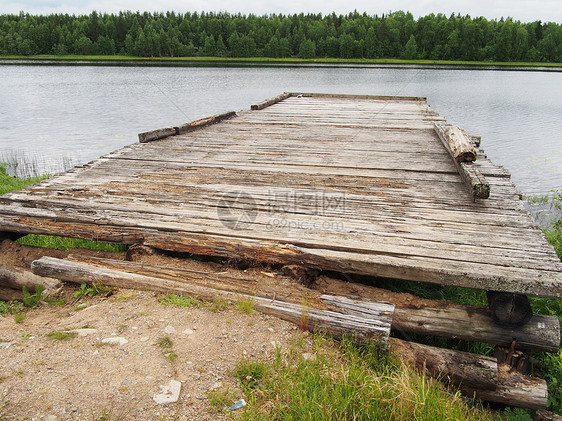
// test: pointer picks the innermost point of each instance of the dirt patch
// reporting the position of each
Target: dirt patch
(82, 378)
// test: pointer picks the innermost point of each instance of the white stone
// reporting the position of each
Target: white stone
(188, 332)
(169, 393)
(84, 332)
(170, 330)
(116, 340)
(215, 386)
(276, 344)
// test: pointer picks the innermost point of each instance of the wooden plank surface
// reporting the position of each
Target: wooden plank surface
(354, 183)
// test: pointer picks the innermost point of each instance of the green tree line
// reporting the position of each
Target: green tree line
(394, 35)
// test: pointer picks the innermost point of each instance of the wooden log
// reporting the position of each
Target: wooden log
(517, 360)
(355, 96)
(475, 375)
(188, 127)
(270, 101)
(477, 185)
(18, 278)
(456, 367)
(460, 145)
(451, 321)
(508, 309)
(200, 239)
(475, 324)
(9, 294)
(157, 134)
(514, 389)
(365, 321)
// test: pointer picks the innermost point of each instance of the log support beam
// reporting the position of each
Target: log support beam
(508, 309)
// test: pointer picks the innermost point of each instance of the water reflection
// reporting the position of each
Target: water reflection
(82, 112)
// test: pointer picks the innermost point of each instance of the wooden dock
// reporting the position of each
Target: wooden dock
(353, 184)
(378, 186)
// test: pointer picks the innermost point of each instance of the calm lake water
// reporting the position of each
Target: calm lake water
(51, 114)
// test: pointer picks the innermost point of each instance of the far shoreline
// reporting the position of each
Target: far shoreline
(118, 60)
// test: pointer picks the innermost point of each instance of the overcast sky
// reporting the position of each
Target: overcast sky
(523, 10)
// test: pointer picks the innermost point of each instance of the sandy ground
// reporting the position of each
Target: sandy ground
(81, 378)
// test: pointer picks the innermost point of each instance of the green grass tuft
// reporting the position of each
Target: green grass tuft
(32, 300)
(245, 305)
(218, 305)
(180, 300)
(64, 243)
(165, 342)
(91, 290)
(60, 335)
(19, 317)
(221, 399)
(9, 183)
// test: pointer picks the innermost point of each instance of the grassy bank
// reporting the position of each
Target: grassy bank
(291, 61)
(330, 381)
(9, 183)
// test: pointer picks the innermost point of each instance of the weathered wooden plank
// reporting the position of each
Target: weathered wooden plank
(458, 143)
(157, 134)
(477, 185)
(393, 245)
(316, 95)
(467, 274)
(263, 104)
(166, 132)
(189, 127)
(373, 325)
(318, 222)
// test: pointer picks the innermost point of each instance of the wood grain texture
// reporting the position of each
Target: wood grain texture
(356, 184)
(364, 320)
(463, 152)
(263, 104)
(460, 144)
